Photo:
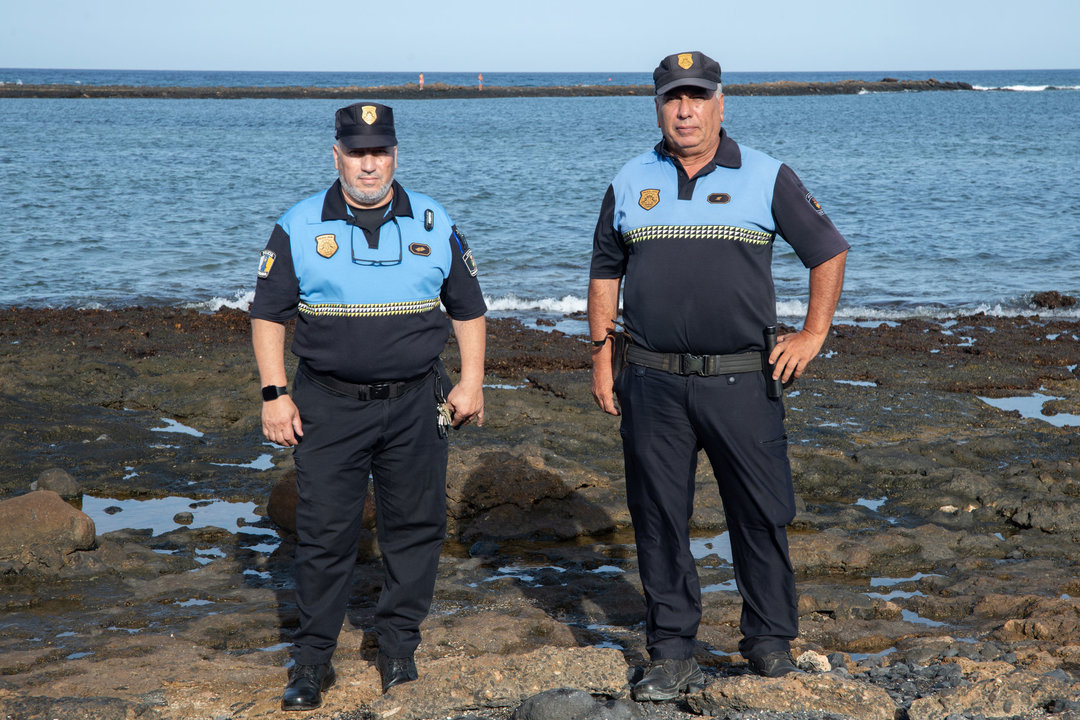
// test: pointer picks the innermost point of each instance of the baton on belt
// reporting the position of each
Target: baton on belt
(774, 389)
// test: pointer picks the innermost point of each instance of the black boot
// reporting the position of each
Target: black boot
(666, 679)
(774, 664)
(395, 671)
(306, 685)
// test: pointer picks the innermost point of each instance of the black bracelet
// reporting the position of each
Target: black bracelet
(600, 343)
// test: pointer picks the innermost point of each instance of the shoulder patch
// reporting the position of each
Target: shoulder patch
(470, 262)
(266, 261)
(649, 198)
(814, 204)
(466, 252)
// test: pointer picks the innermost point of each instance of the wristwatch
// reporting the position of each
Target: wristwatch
(273, 392)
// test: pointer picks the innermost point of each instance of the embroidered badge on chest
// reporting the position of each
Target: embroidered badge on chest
(326, 245)
(719, 198)
(420, 249)
(649, 198)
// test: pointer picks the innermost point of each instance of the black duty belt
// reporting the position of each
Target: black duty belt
(688, 364)
(361, 391)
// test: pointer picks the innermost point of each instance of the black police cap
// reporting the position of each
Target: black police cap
(688, 68)
(365, 125)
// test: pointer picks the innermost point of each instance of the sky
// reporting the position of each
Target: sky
(555, 35)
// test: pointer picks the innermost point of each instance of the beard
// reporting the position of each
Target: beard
(369, 197)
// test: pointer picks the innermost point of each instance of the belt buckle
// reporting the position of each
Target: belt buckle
(380, 391)
(692, 364)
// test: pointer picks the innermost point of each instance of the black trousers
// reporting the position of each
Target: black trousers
(397, 442)
(666, 420)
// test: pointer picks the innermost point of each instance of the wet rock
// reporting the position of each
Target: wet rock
(1052, 299)
(995, 691)
(82, 708)
(571, 704)
(183, 518)
(844, 605)
(38, 530)
(505, 495)
(825, 693)
(59, 481)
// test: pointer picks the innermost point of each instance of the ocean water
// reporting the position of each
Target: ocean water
(954, 202)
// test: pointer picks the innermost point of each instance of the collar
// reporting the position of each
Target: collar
(727, 154)
(334, 207)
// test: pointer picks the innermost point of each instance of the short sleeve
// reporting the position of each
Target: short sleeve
(277, 291)
(609, 251)
(802, 222)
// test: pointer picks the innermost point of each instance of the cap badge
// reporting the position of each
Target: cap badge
(686, 60)
(326, 245)
(649, 198)
(368, 114)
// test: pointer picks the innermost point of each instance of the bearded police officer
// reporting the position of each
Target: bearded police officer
(364, 266)
(690, 225)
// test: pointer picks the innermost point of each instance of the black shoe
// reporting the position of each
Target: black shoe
(306, 685)
(774, 664)
(395, 671)
(665, 679)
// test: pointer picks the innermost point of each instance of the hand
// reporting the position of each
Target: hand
(281, 421)
(603, 386)
(467, 402)
(793, 352)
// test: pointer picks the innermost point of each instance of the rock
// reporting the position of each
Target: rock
(39, 529)
(504, 495)
(503, 632)
(1052, 299)
(571, 704)
(825, 693)
(183, 518)
(281, 505)
(1003, 694)
(811, 661)
(59, 481)
(456, 684)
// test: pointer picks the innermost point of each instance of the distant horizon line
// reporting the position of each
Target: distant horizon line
(553, 72)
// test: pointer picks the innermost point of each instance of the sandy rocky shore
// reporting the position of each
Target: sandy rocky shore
(937, 544)
(442, 91)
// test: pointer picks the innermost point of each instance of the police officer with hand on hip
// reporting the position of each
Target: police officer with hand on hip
(687, 230)
(363, 267)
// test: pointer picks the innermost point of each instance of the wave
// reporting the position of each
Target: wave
(240, 301)
(511, 302)
(791, 311)
(1027, 88)
(795, 311)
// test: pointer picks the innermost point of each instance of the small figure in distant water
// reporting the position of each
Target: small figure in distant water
(421, 81)
(364, 267)
(480, 81)
(691, 225)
